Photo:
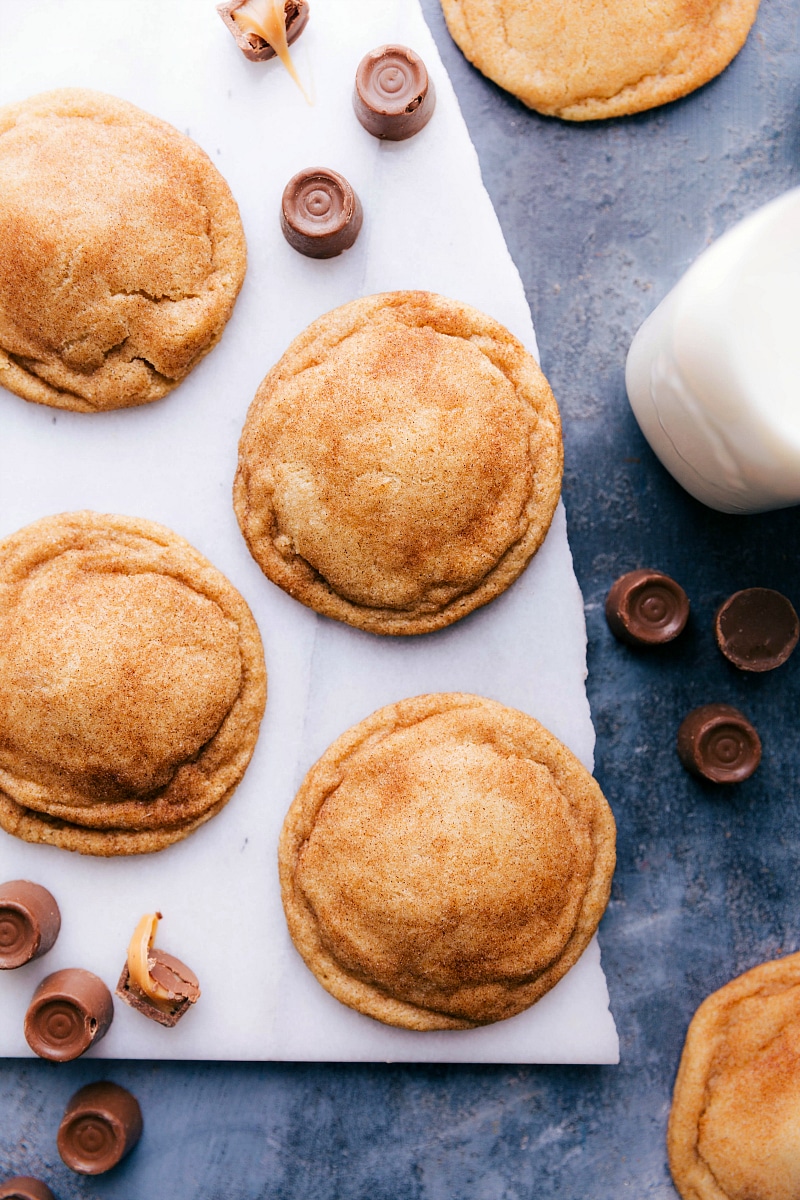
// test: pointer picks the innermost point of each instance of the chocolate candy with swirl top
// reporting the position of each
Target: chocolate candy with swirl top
(25, 1187)
(101, 1124)
(718, 743)
(393, 96)
(320, 213)
(69, 1012)
(30, 922)
(646, 608)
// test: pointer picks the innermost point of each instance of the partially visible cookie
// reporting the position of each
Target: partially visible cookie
(401, 464)
(121, 252)
(587, 59)
(733, 1129)
(445, 863)
(132, 685)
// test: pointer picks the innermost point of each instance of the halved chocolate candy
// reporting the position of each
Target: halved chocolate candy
(757, 629)
(175, 977)
(30, 922)
(102, 1123)
(252, 45)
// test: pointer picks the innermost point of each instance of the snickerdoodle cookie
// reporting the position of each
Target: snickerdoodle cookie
(733, 1129)
(132, 685)
(586, 59)
(121, 252)
(445, 863)
(401, 464)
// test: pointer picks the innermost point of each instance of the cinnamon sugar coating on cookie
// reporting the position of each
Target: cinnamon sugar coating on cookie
(121, 252)
(401, 464)
(588, 59)
(736, 1106)
(445, 863)
(132, 685)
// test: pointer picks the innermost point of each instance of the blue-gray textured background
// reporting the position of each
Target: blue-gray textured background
(601, 219)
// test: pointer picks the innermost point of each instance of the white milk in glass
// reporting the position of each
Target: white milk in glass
(713, 375)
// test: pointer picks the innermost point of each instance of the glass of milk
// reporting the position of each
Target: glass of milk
(713, 375)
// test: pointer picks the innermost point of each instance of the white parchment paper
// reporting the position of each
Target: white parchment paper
(428, 224)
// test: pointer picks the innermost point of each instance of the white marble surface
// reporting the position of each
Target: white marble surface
(428, 223)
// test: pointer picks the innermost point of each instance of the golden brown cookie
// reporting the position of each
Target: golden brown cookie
(733, 1129)
(121, 252)
(132, 685)
(401, 464)
(445, 863)
(587, 59)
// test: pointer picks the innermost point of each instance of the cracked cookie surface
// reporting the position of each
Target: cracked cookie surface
(589, 59)
(401, 463)
(121, 252)
(735, 1110)
(445, 863)
(132, 685)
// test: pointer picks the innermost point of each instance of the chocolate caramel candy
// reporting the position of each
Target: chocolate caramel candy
(718, 743)
(25, 1187)
(69, 1012)
(646, 608)
(320, 213)
(101, 1124)
(251, 43)
(29, 923)
(393, 96)
(756, 629)
(174, 977)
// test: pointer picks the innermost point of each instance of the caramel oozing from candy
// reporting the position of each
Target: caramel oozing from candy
(139, 962)
(267, 18)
